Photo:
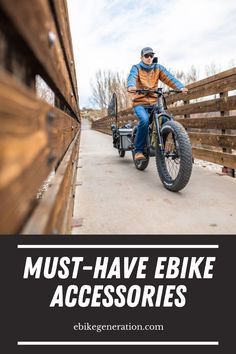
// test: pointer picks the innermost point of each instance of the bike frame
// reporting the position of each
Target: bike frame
(159, 110)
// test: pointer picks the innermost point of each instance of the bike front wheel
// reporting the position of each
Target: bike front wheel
(174, 160)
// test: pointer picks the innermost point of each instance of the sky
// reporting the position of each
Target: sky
(109, 35)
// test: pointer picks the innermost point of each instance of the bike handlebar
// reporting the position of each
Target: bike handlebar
(157, 91)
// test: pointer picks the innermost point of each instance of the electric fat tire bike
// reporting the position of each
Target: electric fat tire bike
(167, 141)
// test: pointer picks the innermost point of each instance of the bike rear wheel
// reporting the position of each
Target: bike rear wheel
(174, 162)
(121, 153)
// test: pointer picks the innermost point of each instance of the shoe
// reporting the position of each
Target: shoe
(139, 156)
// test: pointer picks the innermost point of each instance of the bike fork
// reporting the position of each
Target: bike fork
(160, 140)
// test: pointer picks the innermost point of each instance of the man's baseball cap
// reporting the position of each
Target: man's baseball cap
(147, 50)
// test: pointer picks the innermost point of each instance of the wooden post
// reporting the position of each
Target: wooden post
(187, 116)
(225, 169)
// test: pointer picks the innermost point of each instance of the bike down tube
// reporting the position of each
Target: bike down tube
(160, 141)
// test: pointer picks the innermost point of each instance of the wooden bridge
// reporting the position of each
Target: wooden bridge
(95, 191)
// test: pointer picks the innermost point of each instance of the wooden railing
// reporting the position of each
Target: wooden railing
(210, 121)
(36, 137)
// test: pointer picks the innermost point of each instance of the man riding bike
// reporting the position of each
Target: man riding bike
(145, 75)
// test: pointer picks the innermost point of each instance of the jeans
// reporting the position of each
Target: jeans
(142, 112)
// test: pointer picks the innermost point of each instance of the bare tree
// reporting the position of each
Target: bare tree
(191, 76)
(103, 87)
(186, 77)
(212, 69)
(179, 74)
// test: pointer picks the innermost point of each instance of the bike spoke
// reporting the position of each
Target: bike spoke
(172, 160)
(172, 168)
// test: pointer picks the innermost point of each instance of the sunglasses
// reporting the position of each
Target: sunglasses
(148, 55)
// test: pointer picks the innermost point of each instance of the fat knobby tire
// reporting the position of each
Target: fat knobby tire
(121, 153)
(185, 154)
